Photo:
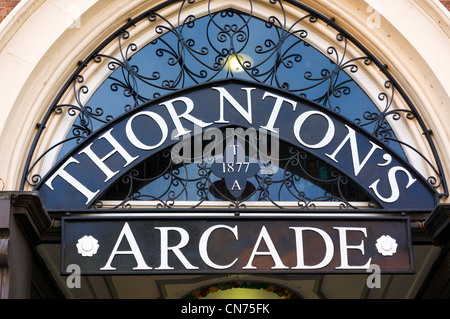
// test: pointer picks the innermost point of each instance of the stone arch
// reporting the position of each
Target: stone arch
(61, 41)
(31, 78)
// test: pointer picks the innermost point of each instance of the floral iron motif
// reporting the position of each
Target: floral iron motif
(191, 50)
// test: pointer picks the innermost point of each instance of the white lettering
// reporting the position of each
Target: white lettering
(135, 251)
(238, 107)
(236, 184)
(71, 180)
(234, 148)
(393, 183)
(186, 115)
(135, 141)
(276, 110)
(344, 247)
(329, 248)
(99, 162)
(357, 166)
(193, 309)
(175, 249)
(272, 251)
(140, 131)
(203, 246)
(325, 140)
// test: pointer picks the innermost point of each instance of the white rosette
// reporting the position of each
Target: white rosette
(87, 246)
(386, 245)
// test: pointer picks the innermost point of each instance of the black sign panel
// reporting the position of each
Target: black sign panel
(100, 160)
(144, 245)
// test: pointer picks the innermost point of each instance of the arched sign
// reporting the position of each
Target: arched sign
(97, 163)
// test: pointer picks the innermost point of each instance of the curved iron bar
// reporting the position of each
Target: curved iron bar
(266, 186)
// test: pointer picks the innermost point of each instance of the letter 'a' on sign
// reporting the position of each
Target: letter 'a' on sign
(135, 251)
(272, 251)
(101, 160)
(236, 185)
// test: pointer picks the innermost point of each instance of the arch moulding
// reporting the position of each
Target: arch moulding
(42, 41)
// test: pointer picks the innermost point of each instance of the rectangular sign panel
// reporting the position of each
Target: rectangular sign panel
(144, 245)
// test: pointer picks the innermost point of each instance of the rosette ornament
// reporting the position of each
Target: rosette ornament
(386, 245)
(87, 246)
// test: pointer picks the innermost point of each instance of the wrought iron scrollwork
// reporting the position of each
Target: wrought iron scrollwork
(299, 178)
(190, 50)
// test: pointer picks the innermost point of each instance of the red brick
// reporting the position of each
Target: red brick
(6, 7)
(11, 3)
(446, 4)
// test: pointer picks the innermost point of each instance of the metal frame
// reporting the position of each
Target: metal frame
(403, 220)
(437, 182)
(207, 189)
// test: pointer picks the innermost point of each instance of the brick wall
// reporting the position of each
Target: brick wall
(446, 4)
(7, 6)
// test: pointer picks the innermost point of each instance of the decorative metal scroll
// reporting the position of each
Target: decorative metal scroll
(189, 50)
(298, 178)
